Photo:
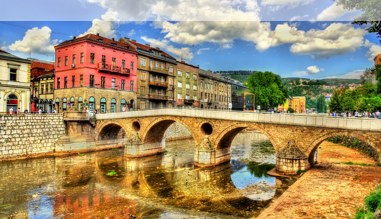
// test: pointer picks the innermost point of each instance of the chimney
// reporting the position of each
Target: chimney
(113, 39)
(97, 34)
(74, 37)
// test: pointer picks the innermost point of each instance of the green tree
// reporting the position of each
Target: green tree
(336, 100)
(268, 89)
(321, 105)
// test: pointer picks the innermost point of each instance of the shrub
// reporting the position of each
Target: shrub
(373, 200)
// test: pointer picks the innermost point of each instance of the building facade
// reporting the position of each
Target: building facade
(14, 83)
(297, 103)
(95, 73)
(187, 89)
(156, 83)
(42, 86)
(215, 91)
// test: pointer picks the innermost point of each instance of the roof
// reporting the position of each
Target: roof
(100, 40)
(38, 68)
(184, 63)
(291, 151)
(7, 56)
(146, 49)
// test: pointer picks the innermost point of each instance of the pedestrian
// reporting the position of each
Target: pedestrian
(356, 114)
(124, 108)
(39, 111)
(18, 110)
(11, 110)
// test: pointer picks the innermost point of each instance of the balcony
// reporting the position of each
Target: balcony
(113, 69)
(158, 83)
(158, 70)
(157, 97)
(189, 101)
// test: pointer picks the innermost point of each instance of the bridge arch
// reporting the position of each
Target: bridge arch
(154, 132)
(111, 131)
(365, 139)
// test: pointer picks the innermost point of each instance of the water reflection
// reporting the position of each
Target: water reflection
(164, 186)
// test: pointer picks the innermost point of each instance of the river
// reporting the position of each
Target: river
(104, 184)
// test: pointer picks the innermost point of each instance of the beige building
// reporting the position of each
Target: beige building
(215, 91)
(187, 89)
(14, 83)
(156, 83)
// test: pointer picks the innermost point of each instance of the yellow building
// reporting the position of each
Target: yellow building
(14, 83)
(298, 104)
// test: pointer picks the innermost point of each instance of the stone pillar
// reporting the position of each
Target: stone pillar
(291, 159)
(136, 148)
(207, 155)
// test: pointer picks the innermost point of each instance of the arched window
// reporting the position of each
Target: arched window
(91, 103)
(113, 105)
(103, 105)
(123, 105)
(72, 102)
(64, 104)
(12, 103)
(80, 104)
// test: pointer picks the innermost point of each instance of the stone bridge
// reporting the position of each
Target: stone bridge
(295, 137)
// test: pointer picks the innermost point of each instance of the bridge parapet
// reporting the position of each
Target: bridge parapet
(283, 119)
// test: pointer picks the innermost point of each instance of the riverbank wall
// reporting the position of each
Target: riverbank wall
(29, 134)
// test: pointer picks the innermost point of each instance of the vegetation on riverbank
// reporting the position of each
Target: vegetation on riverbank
(372, 206)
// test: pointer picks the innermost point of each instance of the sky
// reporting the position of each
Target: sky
(292, 38)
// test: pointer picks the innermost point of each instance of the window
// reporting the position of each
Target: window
(103, 61)
(194, 77)
(143, 62)
(58, 83)
(113, 105)
(80, 104)
(80, 80)
(65, 82)
(123, 64)
(73, 60)
(179, 73)
(162, 66)
(42, 89)
(132, 65)
(150, 63)
(179, 84)
(170, 69)
(103, 82)
(187, 97)
(13, 74)
(142, 90)
(131, 85)
(123, 105)
(194, 87)
(92, 57)
(143, 76)
(91, 103)
(113, 59)
(59, 62)
(66, 60)
(91, 80)
(123, 84)
(82, 59)
(72, 101)
(72, 81)
(156, 65)
(113, 83)
(194, 97)
(187, 86)
(103, 105)
(187, 75)
(64, 104)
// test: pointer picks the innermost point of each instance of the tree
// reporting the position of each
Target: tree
(371, 13)
(336, 99)
(321, 105)
(268, 89)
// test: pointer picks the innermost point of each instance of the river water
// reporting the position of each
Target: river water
(106, 185)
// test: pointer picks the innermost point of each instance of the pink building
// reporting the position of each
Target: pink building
(95, 72)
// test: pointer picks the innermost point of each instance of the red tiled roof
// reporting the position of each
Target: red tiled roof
(100, 40)
(148, 48)
(38, 68)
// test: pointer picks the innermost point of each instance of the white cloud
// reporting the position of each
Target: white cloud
(373, 49)
(201, 50)
(334, 12)
(355, 74)
(313, 69)
(223, 33)
(288, 3)
(35, 40)
(104, 26)
(181, 10)
(183, 53)
(131, 33)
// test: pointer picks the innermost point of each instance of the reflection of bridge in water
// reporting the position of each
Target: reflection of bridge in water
(294, 137)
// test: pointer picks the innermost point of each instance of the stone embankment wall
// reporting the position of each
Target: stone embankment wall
(29, 134)
(177, 132)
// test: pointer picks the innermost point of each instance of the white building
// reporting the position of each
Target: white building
(14, 83)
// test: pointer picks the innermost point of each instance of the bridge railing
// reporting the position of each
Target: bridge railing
(316, 120)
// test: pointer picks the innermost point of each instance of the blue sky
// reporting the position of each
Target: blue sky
(293, 38)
